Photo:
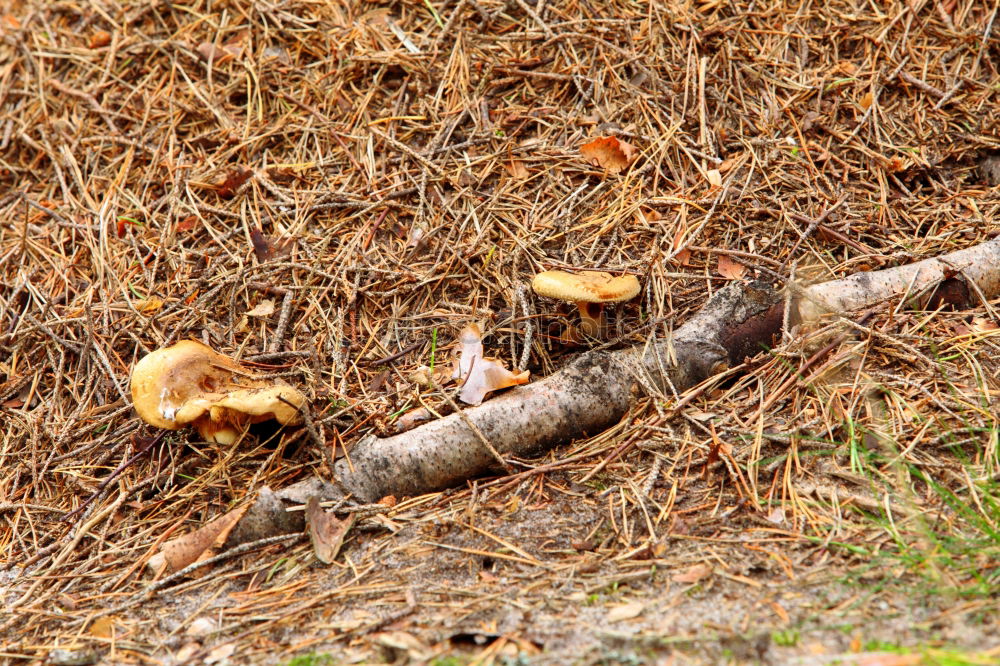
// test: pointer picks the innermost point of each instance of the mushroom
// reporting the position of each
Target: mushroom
(189, 383)
(589, 290)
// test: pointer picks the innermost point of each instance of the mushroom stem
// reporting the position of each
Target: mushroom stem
(591, 318)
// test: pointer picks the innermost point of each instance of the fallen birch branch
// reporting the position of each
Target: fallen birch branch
(595, 390)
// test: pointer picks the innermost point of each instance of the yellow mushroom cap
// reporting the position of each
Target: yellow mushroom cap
(586, 287)
(190, 383)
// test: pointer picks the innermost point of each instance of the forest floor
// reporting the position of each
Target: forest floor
(316, 187)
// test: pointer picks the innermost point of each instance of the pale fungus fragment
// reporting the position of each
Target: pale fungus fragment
(480, 375)
(589, 290)
(189, 383)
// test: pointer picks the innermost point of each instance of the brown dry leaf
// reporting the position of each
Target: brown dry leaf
(99, 39)
(235, 46)
(609, 153)
(263, 309)
(212, 54)
(727, 164)
(847, 67)
(147, 305)
(480, 375)
(517, 170)
(221, 653)
(983, 325)
(187, 224)
(415, 649)
(195, 546)
(326, 531)
(731, 269)
(413, 418)
(684, 256)
(183, 655)
(261, 246)
(11, 22)
(626, 611)
(233, 181)
(692, 574)
(866, 101)
(102, 627)
(217, 55)
(266, 249)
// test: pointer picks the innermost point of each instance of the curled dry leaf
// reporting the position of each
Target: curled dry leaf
(216, 55)
(233, 181)
(263, 309)
(731, 269)
(221, 653)
(626, 611)
(265, 248)
(201, 626)
(99, 39)
(413, 418)
(517, 170)
(148, 305)
(610, 153)
(195, 546)
(489, 375)
(692, 574)
(416, 236)
(213, 54)
(102, 627)
(326, 531)
(683, 257)
(480, 375)
(727, 164)
(979, 327)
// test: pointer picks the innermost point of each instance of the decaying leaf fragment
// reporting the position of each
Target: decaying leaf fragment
(609, 153)
(190, 383)
(195, 546)
(326, 531)
(480, 375)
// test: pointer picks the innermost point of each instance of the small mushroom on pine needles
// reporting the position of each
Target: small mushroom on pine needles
(191, 384)
(589, 290)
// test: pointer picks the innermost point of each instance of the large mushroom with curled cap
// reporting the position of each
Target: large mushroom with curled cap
(589, 290)
(189, 383)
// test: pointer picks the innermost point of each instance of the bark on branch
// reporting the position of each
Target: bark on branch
(594, 391)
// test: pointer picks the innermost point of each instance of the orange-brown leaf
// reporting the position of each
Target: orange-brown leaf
(517, 170)
(610, 153)
(233, 181)
(99, 39)
(731, 269)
